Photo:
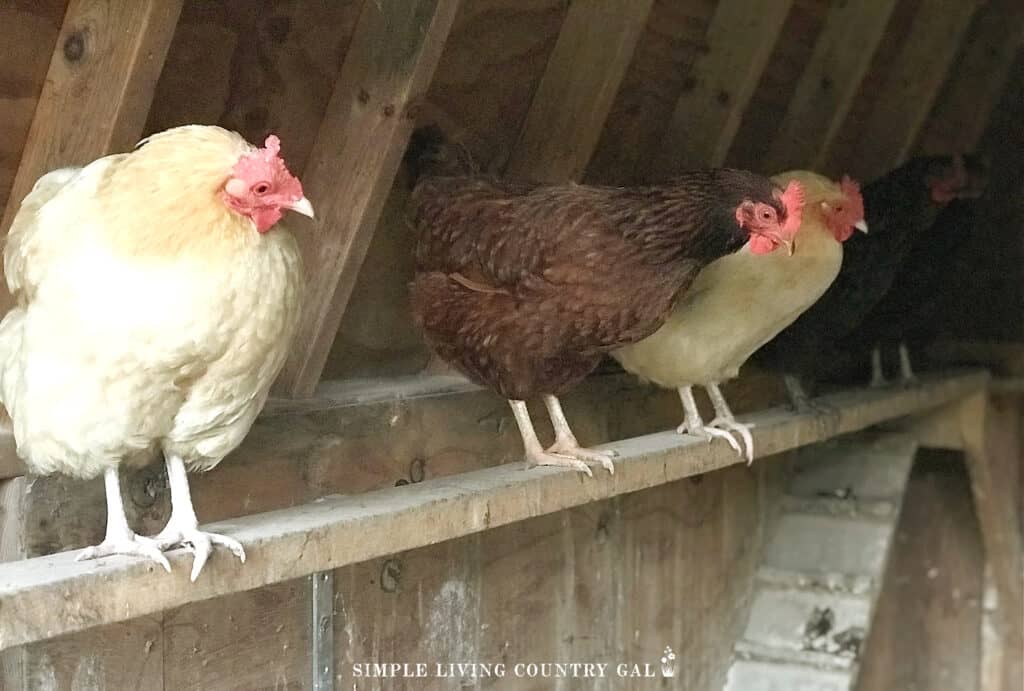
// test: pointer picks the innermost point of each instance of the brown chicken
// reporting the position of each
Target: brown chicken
(525, 287)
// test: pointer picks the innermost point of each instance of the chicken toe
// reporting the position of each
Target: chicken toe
(120, 539)
(541, 457)
(724, 419)
(183, 529)
(694, 425)
(602, 456)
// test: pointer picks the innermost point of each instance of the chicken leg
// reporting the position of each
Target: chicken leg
(694, 425)
(120, 539)
(183, 529)
(535, 453)
(724, 419)
(565, 441)
(877, 372)
(907, 376)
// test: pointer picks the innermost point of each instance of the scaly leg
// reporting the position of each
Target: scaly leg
(800, 401)
(877, 373)
(694, 425)
(183, 529)
(565, 441)
(907, 376)
(120, 539)
(726, 420)
(535, 453)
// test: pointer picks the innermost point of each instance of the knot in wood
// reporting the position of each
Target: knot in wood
(74, 46)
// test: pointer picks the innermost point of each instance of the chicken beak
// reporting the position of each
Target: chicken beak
(790, 246)
(861, 225)
(302, 207)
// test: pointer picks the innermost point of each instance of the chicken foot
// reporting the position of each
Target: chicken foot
(535, 454)
(565, 441)
(120, 539)
(800, 401)
(694, 425)
(907, 376)
(183, 528)
(724, 419)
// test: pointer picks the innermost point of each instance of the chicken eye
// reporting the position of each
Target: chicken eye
(766, 215)
(261, 188)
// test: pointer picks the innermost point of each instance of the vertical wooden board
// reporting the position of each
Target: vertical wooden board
(592, 540)
(253, 641)
(977, 79)
(125, 656)
(389, 64)
(707, 115)
(992, 445)
(490, 68)
(908, 84)
(27, 32)
(767, 107)
(830, 81)
(98, 87)
(416, 607)
(523, 596)
(583, 74)
(925, 632)
(660, 71)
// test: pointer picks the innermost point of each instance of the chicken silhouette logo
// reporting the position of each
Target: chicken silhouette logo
(668, 663)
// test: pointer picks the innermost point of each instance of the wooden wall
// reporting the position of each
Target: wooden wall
(689, 88)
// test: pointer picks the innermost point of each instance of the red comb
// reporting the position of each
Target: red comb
(267, 165)
(793, 200)
(855, 201)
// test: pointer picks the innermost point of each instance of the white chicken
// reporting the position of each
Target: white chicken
(156, 299)
(739, 302)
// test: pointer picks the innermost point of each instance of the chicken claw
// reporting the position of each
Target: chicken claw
(739, 428)
(602, 456)
(199, 542)
(708, 433)
(536, 458)
(120, 539)
(130, 545)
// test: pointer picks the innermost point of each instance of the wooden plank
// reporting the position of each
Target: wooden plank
(336, 531)
(912, 82)
(977, 79)
(829, 83)
(993, 447)
(388, 66)
(708, 112)
(924, 634)
(584, 71)
(98, 87)
(27, 33)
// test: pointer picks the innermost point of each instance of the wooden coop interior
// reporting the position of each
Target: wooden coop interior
(384, 506)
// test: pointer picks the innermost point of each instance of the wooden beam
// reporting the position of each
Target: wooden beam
(388, 67)
(98, 88)
(911, 85)
(830, 81)
(708, 113)
(993, 447)
(340, 530)
(976, 82)
(572, 101)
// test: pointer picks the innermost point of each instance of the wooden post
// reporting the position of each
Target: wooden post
(972, 92)
(707, 116)
(586, 67)
(993, 448)
(98, 88)
(389, 64)
(829, 83)
(912, 81)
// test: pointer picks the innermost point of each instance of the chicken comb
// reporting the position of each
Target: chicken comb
(855, 200)
(793, 199)
(266, 165)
